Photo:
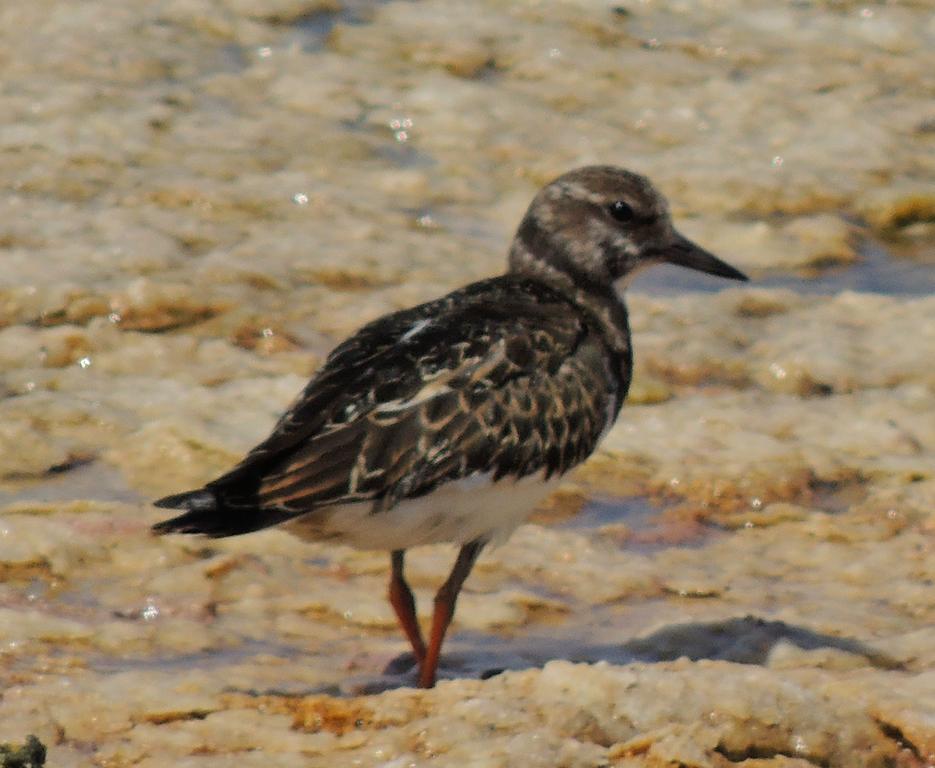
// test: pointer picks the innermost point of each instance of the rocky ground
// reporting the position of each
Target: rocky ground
(201, 198)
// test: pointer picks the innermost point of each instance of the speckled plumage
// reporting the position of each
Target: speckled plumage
(509, 380)
(504, 377)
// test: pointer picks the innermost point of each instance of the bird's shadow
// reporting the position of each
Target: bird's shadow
(742, 640)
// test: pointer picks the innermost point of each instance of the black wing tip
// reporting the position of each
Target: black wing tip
(175, 525)
(201, 499)
(216, 517)
(192, 522)
(199, 507)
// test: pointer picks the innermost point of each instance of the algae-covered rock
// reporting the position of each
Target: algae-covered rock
(31, 754)
(200, 198)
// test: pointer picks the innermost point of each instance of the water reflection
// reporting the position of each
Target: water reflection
(640, 524)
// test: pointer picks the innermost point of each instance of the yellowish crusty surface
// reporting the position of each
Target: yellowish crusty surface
(201, 198)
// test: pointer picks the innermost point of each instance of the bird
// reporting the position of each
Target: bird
(451, 420)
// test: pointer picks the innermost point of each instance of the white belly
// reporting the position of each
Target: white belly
(458, 512)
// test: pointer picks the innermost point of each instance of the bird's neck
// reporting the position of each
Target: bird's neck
(600, 302)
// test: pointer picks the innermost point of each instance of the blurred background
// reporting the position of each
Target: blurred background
(265, 176)
(201, 197)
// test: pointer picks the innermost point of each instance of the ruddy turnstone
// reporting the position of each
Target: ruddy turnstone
(450, 421)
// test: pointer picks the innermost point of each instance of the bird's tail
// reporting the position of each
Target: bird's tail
(200, 516)
(218, 512)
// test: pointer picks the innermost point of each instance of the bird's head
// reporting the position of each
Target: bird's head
(598, 226)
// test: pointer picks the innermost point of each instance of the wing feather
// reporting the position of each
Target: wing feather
(503, 377)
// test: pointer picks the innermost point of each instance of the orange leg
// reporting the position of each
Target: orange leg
(445, 601)
(405, 606)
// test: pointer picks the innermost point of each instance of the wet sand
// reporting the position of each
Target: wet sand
(202, 198)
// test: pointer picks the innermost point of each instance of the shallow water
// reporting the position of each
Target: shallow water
(201, 199)
(878, 270)
(93, 480)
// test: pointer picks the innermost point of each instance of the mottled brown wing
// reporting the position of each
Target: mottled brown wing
(502, 380)
(488, 415)
(382, 361)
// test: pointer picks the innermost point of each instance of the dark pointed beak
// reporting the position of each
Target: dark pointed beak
(685, 253)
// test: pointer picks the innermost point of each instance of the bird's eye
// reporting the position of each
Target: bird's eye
(621, 211)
